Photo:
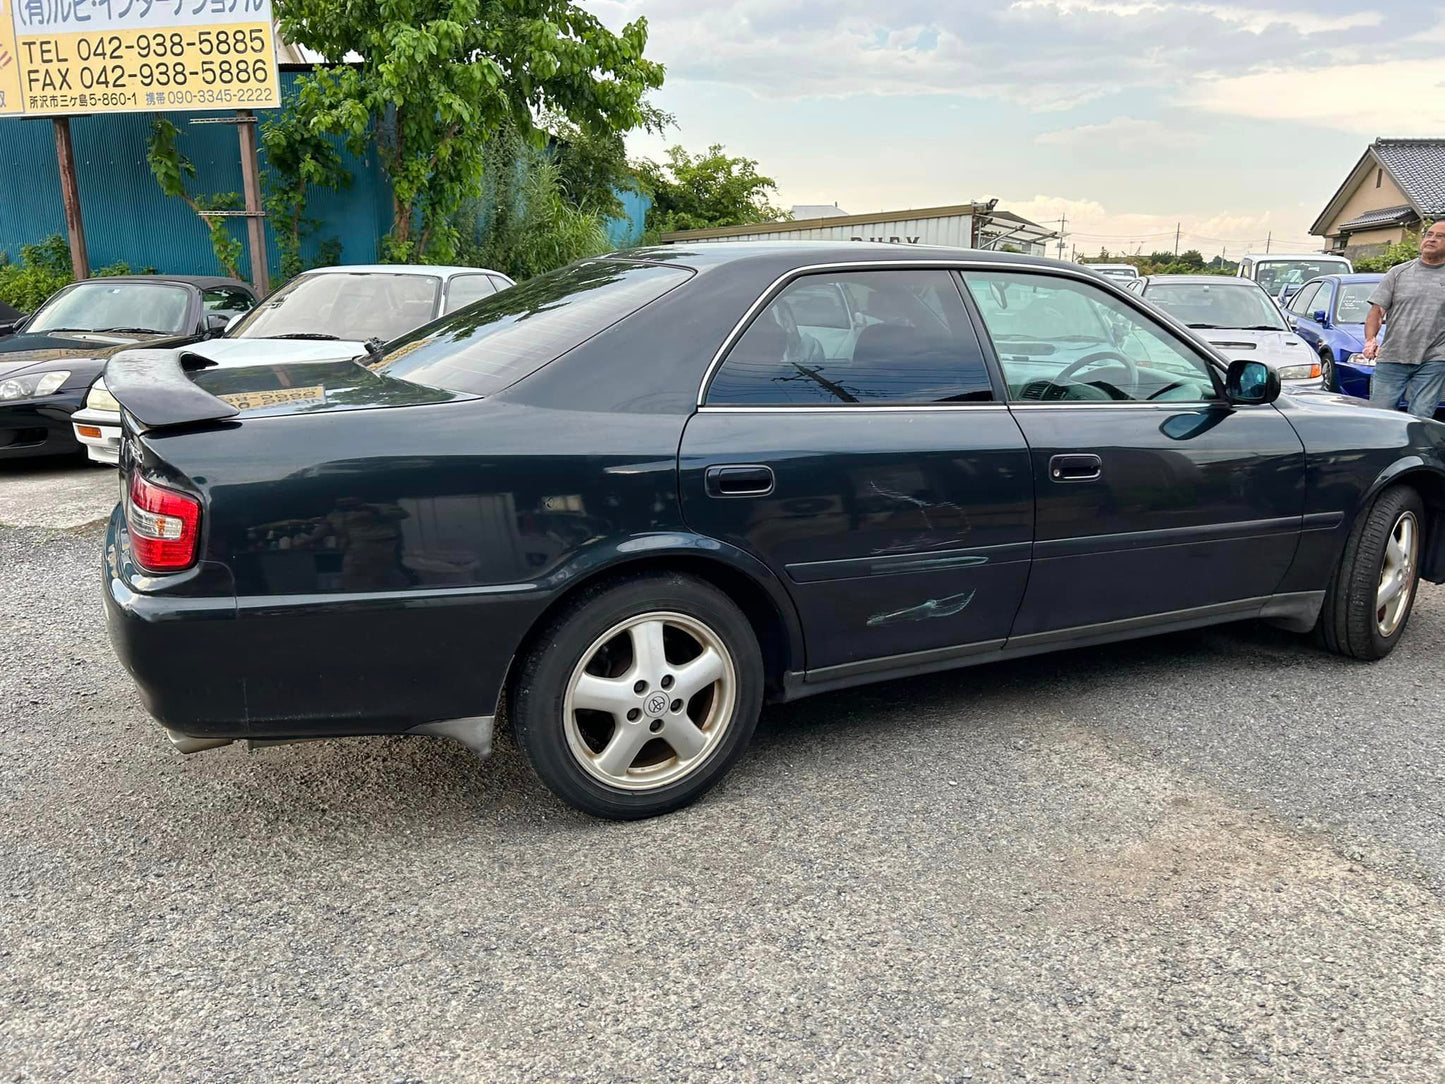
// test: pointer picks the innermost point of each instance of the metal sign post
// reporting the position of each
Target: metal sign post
(251, 183)
(70, 197)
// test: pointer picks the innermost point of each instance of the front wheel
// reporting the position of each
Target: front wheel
(638, 697)
(1369, 600)
(1328, 380)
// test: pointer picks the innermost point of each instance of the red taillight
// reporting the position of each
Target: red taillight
(164, 526)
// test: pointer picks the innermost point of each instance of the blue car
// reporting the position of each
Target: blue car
(1329, 314)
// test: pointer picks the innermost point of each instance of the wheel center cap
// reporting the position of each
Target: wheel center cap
(656, 704)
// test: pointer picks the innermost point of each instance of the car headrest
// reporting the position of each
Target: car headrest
(896, 343)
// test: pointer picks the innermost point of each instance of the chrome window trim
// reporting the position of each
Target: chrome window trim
(1074, 404)
(1135, 301)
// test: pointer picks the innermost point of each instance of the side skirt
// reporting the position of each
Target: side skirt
(1296, 612)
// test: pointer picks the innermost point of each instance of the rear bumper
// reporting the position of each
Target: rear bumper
(35, 427)
(312, 666)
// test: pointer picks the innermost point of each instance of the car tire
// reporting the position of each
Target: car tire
(1328, 380)
(1382, 552)
(639, 695)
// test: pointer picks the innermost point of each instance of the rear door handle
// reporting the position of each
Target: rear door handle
(739, 481)
(1075, 468)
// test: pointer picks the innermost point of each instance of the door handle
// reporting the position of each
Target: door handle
(1075, 468)
(739, 481)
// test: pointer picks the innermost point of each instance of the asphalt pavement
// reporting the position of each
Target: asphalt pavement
(1213, 856)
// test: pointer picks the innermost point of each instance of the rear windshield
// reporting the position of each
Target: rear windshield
(493, 343)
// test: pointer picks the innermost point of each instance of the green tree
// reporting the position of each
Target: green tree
(171, 169)
(524, 223)
(437, 78)
(592, 166)
(1402, 251)
(300, 159)
(1192, 258)
(711, 189)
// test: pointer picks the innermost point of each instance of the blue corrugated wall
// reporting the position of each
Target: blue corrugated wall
(128, 219)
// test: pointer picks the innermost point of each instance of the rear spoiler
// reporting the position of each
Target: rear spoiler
(155, 390)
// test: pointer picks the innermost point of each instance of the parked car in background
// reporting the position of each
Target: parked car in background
(1329, 314)
(1282, 273)
(327, 313)
(643, 494)
(9, 319)
(48, 366)
(1237, 318)
(1119, 272)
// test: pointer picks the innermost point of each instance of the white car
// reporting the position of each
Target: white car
(1237, 318)
(1119, 272)
(322, 314)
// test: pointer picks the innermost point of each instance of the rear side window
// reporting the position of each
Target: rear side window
(862, 337)
(1300, 304)
(511, 334)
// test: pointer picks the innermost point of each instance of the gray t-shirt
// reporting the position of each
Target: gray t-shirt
(1413, 297)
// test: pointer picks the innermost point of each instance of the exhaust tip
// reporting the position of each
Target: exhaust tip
(187, 744)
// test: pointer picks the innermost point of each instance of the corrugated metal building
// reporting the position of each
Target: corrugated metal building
(966, 225)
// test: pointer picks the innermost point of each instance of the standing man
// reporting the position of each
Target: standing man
(1412, 363)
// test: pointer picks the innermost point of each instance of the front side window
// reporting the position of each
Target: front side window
(1321, 300)
(1299, 305)
(464, 289)
(115, 306)
(1355, 302)
(226, 299)
(1066, 340)
(863, 337)
(1228, 303)
(351, 305)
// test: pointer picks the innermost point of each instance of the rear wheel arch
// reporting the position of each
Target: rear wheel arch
(778, 631)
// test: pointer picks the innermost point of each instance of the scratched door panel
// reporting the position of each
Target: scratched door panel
(894, 531)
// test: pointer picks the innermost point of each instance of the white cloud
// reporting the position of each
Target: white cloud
(1091, 226)
(1122, 135)
(1252, 20)
(1390, 97)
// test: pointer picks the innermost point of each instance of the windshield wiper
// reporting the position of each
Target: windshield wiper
(1262, 327)
(1212, 326)
(131, 330)
(304, 335)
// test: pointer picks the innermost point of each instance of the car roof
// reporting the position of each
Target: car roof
(1205, 280)
(705, 256)
(434, 270)
(1257, 256)
(200, 282)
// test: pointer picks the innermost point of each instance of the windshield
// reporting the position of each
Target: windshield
(1274, 274)
(1122, 274)
(1224, 304)
(495, 342)
(1354, 303)
(99, 306)
(358, 305)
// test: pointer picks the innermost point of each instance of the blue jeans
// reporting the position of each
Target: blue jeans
(1422, 384)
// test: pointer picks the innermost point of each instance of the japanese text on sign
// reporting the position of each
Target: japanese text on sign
(99, 56)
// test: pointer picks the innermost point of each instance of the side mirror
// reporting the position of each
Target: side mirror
(1319, 316)
(9, 329)
(216, 323)
(1251, 382)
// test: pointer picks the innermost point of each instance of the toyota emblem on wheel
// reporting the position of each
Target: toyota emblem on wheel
(656, 704)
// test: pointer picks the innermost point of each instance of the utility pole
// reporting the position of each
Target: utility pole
(1176, 238)
(70, 198)
(1267, 240)
(1062, 221)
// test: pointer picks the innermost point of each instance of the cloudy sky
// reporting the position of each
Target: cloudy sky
(1127, 116)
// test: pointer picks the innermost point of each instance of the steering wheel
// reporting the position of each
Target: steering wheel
(1131, 370)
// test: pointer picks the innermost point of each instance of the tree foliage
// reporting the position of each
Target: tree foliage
(711, 189)
(1189, 262)
(171, 169)
(592, 165)
(300, 159)
(525, 223)
(43, 269)
(436, 78)
(1397, 252)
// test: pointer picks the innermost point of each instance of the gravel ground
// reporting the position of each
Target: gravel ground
(1212, 856)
